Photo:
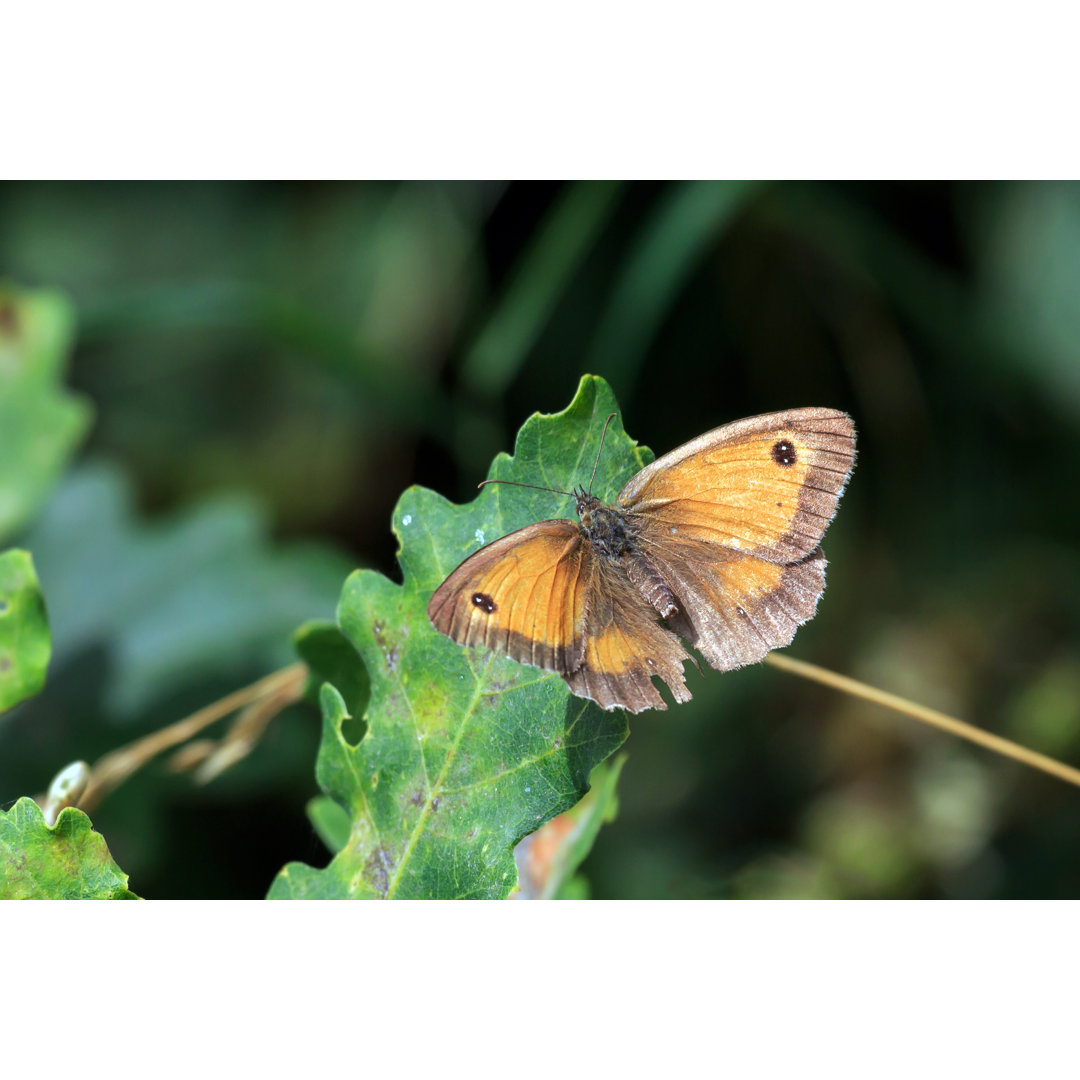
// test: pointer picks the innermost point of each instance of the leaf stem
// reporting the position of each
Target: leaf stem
(960, 728)
(109, 772)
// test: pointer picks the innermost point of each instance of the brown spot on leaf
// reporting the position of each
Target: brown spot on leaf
(9, 318)
(389, 651)
(5, 664)
(377, 870)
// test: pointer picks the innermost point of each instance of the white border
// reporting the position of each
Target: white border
(563, 89)
(841, 989)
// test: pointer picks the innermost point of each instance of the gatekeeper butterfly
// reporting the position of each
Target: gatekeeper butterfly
(715, 545)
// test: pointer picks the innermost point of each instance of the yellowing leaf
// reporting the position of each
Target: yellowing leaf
(67, 862)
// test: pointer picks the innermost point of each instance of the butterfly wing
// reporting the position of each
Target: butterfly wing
(766, 486)
(541, 596)
(523, 595)
(625, 646)
(732, 522)
(735, 608)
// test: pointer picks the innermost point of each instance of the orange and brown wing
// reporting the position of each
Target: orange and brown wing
(540, 596)
(523, 595)
(625, 646)
(734, 608)
(766, 486)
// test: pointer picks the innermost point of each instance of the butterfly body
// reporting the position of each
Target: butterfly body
(613, 534)
(714, 544)
(609, 531)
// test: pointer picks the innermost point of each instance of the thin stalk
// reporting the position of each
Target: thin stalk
(110, 771)
(960, 728)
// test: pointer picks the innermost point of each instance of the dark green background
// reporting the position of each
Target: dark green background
(300, 353)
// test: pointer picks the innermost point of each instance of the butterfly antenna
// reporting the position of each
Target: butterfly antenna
(516, 484)
(599, 448)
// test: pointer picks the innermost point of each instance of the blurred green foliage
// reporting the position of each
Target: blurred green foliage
(40, 422)
(270, 363)
(25, 642)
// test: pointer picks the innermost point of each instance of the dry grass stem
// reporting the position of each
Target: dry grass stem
(245, 732)
(960, 728)
(190, 755)
(281, 688)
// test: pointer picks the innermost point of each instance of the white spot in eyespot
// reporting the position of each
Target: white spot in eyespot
(407, 519)
(673, 530)
(480, 537)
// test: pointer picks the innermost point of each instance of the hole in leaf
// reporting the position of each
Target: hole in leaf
(353, 729)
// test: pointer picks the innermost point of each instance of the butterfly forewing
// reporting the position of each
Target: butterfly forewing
(766, 486)
(523, 595)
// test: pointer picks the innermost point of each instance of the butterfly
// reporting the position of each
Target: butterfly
(714, 545)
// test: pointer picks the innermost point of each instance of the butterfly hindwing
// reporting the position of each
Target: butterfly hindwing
(625, 647)
(734, 608)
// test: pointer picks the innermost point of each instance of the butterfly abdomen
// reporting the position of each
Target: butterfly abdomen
(647, 580)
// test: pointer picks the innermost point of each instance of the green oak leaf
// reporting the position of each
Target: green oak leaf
(66, 862)
(330, 820)
(463, 752)
(25, 644)
(331, 657)
(41, 424)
